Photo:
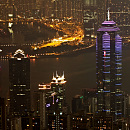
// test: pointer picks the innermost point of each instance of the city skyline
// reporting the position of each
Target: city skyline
(42, 37)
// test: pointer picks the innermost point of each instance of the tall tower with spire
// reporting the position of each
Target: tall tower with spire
(109, 69)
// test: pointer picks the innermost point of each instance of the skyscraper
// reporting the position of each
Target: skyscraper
(43, 88)
(19, 77)
(52, 103)
(109, 69)
(56, 97)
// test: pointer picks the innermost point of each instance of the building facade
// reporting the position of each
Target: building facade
(89, 20)
(109, 70)
(2, 114)
(120, 14)
(19, 77)
(56, 97)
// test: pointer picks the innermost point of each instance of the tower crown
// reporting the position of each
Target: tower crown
(58, 79)
(19, 54)
(108, 26)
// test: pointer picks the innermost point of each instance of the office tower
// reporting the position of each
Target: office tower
(82, 121)
(76, 8)
(119, 10)
(19, 78)
(23, 8)
(89, 99)
(30, 122)
(2, 114)
(126, 108)
(57, 122)
(77, 104)
(3, 7)
(89, 20)
(101, 122)
(43, 88)
(109, 69)
(102, 6)
(52, 102)
(56, 97)
(48, 7)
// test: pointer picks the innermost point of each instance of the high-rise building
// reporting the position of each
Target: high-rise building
(19, 77)
(23, 8)
(56, 97)
(60, 9)
(3, 9)
(77, 104)
(102, 6)
(119, 10)
(43, 88)
(109, 69)
(52, 102)
(102, 121)
(90, 20)
(89, 99)
(76, 8)
(57, 122)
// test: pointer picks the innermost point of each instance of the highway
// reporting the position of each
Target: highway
(73, 34)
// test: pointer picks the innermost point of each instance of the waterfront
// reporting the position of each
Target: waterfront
(80, 72)
(65, 43)
(79, 68)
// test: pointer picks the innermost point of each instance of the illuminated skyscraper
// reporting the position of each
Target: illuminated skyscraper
(56, 97)
(19, 77)
(109, 69)
(52, 103)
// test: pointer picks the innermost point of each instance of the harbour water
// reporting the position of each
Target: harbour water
(80, 72)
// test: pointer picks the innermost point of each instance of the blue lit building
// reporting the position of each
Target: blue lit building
(109, 70)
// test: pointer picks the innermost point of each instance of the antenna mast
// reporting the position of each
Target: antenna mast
(108, 15)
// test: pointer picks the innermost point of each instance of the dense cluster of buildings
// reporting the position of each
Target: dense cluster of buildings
(103, 107)
(90, 12)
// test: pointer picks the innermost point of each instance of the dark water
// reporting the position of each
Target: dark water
(79, 72)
